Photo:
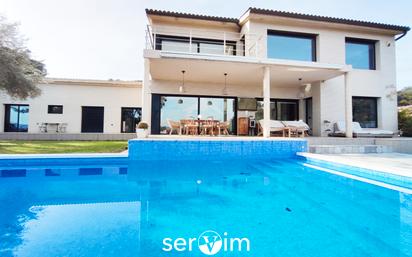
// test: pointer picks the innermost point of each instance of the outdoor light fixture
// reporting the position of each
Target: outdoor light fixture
(182, 87)
(224, 91)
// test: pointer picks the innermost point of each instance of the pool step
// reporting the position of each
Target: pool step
(339, 149)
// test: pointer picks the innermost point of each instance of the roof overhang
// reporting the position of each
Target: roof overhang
(242, 71)
(291, 18)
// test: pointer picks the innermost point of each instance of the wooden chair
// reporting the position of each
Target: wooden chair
(192, 127)
(207, 127)
(174, 126)
(223, 127)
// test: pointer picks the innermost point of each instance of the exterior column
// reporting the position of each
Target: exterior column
(146, 95)
(266, 101)
(348, 107)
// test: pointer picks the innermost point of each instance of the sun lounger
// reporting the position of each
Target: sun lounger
(358, 131)
(298, 127)
(274, 126)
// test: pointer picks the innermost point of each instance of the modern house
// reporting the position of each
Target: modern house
(266, 65)
(73, 106)
(269, 65)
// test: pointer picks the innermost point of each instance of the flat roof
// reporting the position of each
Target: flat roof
(293, 15)
(94, 82)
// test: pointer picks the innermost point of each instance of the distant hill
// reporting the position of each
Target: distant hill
(405, 96)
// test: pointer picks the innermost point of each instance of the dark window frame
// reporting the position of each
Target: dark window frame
(156, 109)
(7, 117)
(276, 100)
(195, 40)
(312, 37)
(50, 109)
(372, 50)
(376, 107)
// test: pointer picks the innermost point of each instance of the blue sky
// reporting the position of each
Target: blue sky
(103, 39)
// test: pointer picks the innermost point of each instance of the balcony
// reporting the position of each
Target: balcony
(203, 42)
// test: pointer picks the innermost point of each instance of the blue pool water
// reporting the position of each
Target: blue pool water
(126, 208)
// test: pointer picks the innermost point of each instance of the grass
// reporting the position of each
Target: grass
(45, 147)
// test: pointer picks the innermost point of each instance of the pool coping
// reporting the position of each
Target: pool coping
(358, 169)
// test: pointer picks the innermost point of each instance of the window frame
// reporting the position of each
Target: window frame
(376, 108)
(7, 118)
(372, 50)
(276, 100)
(156, 109)
(293, 34)
(51, 106)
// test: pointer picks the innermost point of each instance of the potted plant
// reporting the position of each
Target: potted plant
(142, 130)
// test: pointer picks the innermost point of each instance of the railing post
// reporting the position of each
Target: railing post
(224, 43)
(190, 41)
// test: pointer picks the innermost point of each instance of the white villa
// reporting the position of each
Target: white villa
(266, 65)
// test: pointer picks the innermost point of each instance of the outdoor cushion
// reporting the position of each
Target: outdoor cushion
(296, 124)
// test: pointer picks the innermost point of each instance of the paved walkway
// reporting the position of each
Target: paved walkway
(395, 163)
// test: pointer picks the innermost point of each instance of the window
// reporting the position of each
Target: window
(280, 109)
(130, 118)
(167, 108)
(16, 118)
(360, 53)
(55, 109)
(291, 46)
(365, 111)
(199, 45)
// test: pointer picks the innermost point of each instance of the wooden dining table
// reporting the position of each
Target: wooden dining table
(199, 124)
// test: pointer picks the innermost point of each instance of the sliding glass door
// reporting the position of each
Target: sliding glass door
(169, 108)
(16, 118)
(280, 109)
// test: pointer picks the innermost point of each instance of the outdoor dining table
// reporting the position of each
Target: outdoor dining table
(57, 124)
(199, 123)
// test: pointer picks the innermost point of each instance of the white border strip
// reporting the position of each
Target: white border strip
(366, 180)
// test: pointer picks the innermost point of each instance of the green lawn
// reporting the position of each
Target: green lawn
(33, 147)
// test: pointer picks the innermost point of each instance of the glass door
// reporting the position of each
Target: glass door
(130, 118)
(16, 118)
(220, 109)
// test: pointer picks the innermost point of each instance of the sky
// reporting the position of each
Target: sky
(104, 39)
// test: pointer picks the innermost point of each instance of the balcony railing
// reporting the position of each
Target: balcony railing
(211, 42)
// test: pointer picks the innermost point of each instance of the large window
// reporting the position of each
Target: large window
(199, 45)
(16, 118)
(360, 53)
(291, 46)
(166, 108)
(130, 118)
(365, 111)
(280, 109)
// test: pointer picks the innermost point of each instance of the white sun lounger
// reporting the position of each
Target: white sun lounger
(358, 131)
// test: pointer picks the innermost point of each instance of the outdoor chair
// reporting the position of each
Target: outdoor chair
(175, 126)
(275, 126)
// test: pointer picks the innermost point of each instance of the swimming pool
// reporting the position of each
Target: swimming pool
(118, 207)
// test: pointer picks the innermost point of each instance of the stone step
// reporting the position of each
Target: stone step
(342, 149)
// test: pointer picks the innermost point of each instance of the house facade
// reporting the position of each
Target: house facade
(266, 65)
(74, 106)
(269, 65)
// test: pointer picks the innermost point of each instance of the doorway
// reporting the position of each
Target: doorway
(130, 118)
(309, 112)
(92, 119)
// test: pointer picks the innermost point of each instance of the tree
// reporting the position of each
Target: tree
(405, 96)
(19, 73)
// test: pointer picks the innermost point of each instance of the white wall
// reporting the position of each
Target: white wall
(379, 83)
(73, 97)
